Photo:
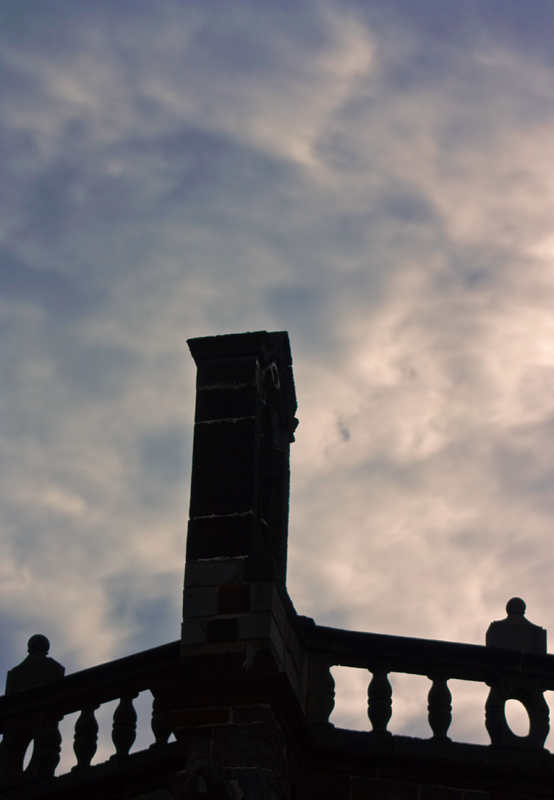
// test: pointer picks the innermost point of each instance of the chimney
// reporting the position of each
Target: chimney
(237, 532)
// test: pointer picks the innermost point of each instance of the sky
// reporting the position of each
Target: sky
(377, 178)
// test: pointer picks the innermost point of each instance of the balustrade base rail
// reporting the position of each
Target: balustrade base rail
(484, 768)
(361, 743)
(136, 774)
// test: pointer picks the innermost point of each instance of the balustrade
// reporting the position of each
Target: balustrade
(31, 711)
(514, 664)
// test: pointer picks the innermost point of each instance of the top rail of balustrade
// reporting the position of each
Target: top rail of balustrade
(105, 682)
(429, 657)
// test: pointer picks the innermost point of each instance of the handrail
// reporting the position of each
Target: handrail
(470, 662)
(133, 670)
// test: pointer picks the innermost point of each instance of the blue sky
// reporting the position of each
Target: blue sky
(374, 177)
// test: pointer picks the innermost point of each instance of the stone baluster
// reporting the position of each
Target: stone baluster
(379, 701)
(124, 731)
(495, 720)
(13, 748)
(440, 708)
(161, 723)
(47, 749)
(86, 737)
(321, 690)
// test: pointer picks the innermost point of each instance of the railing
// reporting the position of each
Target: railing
(31, 716)
(38, 698)
(510, 674)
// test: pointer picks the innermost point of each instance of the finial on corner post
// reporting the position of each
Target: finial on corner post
(36, 668)
(516, 632)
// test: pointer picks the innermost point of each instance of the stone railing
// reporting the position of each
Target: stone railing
(514, 664)
(38, 697)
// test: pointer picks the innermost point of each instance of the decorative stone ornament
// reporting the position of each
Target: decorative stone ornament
(517, 633)
(38, 667)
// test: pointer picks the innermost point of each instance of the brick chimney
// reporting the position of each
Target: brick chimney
(237, 535)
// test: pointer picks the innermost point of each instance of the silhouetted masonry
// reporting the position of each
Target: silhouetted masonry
(242, 702)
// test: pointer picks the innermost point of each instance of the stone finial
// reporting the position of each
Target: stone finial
(515, 632)
(38, 643)
(36, 668)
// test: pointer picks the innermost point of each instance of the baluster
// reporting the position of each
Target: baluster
(13, 750)
(494, 715)
(321, 691)
(379, 701)
(161, 723)
(439, 708)
(124, 731)
(8, 764)
(49, 748)
(86, 737)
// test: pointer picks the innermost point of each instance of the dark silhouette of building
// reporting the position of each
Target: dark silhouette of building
(242, 702)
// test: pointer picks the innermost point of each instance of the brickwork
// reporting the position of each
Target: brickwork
(241, 751)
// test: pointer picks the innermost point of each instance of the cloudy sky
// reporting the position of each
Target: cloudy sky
(374, 176)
